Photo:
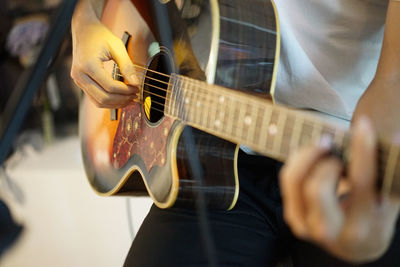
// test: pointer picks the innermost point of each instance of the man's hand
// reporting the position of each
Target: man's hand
(357, 226)
(93, 44)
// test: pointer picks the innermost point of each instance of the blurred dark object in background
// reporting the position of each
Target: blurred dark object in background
(10, 69)
(23, 28)
(9, 230)
(24, 25)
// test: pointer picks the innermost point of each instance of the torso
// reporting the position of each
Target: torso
(329, 52)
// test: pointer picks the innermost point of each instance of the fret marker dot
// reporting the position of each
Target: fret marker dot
(272, 129)
(198, 104)
(221, 99)
(247, 120)
(217, 123)
(186, 100)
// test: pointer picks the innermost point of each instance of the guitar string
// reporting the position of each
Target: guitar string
(314, 125)
(207, 104)
(344, 134)
(145, 70)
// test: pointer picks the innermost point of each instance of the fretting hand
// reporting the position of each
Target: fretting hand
(357, 227)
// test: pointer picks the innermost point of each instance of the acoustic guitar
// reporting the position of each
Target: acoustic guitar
(138, 149)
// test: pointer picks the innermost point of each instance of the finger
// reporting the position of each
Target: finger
(101, 98)
(121, 57)
(96, 71)
(291, 179)
(362, 169)
(324, 216)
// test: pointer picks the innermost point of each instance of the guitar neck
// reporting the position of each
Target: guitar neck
(272, 130)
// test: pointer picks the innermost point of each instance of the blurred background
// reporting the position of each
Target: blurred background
(49, 216)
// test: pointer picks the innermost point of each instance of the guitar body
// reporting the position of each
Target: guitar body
(142, 151)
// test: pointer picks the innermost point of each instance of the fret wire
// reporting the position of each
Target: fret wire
(238, 130)
(258, 123)
(217, 120)
(244, 129)
(195, 100)
(176, 93)
(185, 99)
(272, 129)
(203, 98)
(295, 140)
(182, 89)
(214, 114)
(287, 133)
(316, 132)
(168, 99)
(172, 96)
(225, 118)
(253, 124)
(208, 103)
(199, 106)
(279, 135)
(231, 116)
(191, 102)
(264, 128)
(248, 121)
(180, 95)
(221, 111)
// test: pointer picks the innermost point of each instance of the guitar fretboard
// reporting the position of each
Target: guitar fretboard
(268, 129)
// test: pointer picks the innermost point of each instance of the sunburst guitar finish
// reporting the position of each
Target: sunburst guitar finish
(140, 151)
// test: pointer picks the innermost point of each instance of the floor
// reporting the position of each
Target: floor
(65, 222)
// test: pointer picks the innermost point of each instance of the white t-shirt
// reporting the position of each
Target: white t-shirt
(329, 52)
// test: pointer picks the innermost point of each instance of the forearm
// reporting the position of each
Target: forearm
(389, 62)
(87, 11)
(381, 100)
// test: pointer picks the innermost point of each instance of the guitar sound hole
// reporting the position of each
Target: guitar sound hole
(155, 87)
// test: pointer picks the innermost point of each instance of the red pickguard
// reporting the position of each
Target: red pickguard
(136, 136)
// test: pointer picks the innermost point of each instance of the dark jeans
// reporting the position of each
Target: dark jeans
(252, 234)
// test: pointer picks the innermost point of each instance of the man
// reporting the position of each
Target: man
(330, 49)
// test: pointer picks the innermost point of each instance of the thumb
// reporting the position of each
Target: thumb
(121, 57)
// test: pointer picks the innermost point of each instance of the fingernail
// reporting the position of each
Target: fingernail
(325, 142)
(364, 127)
